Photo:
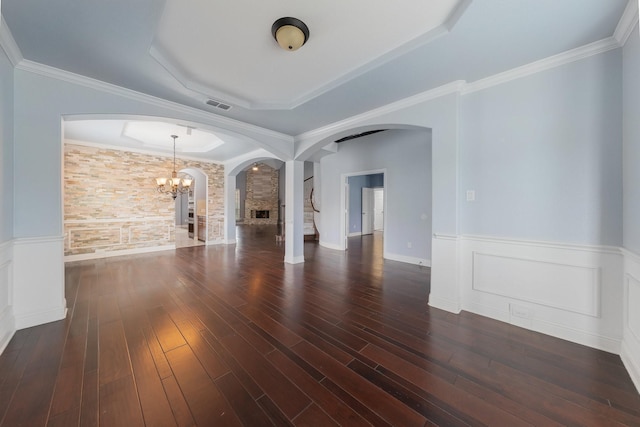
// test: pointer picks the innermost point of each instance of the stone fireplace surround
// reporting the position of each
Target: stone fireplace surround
(262, 195)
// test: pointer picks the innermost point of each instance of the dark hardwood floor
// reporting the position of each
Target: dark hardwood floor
(229, 336)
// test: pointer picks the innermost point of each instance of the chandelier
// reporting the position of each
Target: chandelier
(174, 185)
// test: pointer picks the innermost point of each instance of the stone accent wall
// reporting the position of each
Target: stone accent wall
(111, 202)
(262, 194)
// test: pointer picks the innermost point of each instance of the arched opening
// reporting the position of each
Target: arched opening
(400, 157)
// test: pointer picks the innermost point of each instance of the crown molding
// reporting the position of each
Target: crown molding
(447, 89)
(207, 117)
(8, 44)
(554, 61)
(627, 22)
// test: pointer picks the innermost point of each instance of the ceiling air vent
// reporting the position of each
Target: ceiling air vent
(218, 104)
(359, 135)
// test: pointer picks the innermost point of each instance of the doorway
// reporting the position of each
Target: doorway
(364, 192)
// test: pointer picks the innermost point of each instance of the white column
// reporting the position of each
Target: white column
(294, 212)
(229, 209)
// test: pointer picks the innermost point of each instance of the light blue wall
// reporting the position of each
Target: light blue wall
(45, 101)
(631, 147)
(405, 155)
(6, 147)
(543, 154)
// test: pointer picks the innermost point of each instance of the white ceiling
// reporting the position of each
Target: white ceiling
(360, 55)
(226, 50)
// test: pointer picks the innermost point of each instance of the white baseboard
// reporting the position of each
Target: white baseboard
(7, 319)
(408, 259)
(354, 234)
(631, 362)
(294, 260)
(35, 318)
(630, 352)
(38, 293)
(328, 245)
(444, 304)
(109, 254)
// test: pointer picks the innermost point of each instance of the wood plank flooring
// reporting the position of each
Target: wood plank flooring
(232, 336)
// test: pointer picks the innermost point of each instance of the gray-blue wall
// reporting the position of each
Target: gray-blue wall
(631, 147)
(405, 155)
(6, 147)
(543, 154)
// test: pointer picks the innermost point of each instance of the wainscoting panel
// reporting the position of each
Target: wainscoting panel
(38, 281)
(86, 239)
(7, 321)
(445, 286)
(573, 292)
(566, 287)
(631, 330)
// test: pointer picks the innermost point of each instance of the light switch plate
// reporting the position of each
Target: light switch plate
(471, 195)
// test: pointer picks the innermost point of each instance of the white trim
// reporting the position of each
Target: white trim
(630, 350)
(447, 89)
(7, 327)
(19, 241)
(109, 254)
(117, 220)
(38, 293)
(442, 236)
(627, 22)
(614, 250)
(355, 234)
(8, 43)
(332, 246)
(630, 254)
(545, 64)
(41, 317)
(444, 304)
(208, 117)
(422, 262)
(586, 302)
(633, 368)
(294, 260)
(7, 318)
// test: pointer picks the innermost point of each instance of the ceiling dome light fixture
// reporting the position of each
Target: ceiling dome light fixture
(290, 33)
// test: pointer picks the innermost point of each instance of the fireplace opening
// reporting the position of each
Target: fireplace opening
(263, 214)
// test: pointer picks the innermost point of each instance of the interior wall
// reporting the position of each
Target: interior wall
(6, 147)
(543, 154)
(631, 205)
(405, 155)
(104, 214)
(7, 324)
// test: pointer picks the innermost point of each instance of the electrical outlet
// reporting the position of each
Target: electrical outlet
(519, 311)
(409, 245)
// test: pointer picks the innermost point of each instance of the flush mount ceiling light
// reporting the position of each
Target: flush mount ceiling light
(290, 33)
(173, 185)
